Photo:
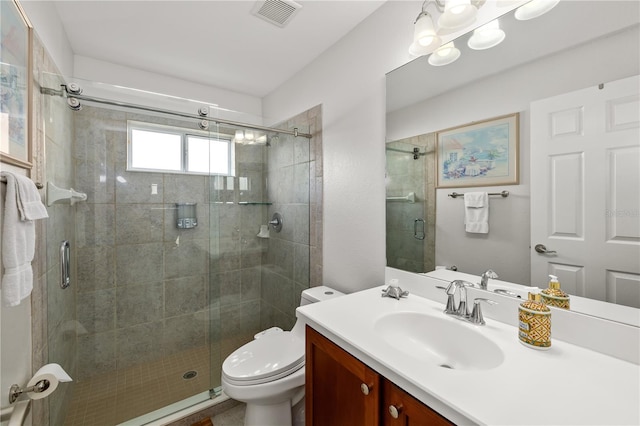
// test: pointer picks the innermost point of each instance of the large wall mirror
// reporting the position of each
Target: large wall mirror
(576, 45)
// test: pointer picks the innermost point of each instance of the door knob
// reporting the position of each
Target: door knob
(540, 248)
(395, 411)
(365, 388)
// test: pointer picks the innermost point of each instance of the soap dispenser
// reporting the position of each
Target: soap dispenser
(534, 328)
(554, 296)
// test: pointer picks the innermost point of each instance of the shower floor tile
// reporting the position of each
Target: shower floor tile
(110, 399)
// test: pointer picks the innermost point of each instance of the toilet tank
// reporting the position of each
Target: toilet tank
(318, 294)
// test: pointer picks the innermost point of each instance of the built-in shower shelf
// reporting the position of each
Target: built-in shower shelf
(254, 203)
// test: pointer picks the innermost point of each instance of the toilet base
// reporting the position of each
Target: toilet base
(268, 415)
(297, 413)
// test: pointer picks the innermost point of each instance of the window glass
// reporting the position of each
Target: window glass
(206, 155)
(154, 147)
(155, 150)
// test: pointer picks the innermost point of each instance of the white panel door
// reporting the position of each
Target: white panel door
(585, 191)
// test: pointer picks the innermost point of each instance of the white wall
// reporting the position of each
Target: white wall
(46, 23)
(349, 81)
(234, 106)
(506, 248)
(44, 18)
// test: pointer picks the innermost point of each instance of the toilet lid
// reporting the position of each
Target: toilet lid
(271, 355)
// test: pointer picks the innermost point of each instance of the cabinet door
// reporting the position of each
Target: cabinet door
(340, 390)
(400, 408)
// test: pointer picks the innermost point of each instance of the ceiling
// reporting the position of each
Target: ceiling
(215, 43)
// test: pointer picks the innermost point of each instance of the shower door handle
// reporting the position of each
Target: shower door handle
(418, 229)
(65, 265)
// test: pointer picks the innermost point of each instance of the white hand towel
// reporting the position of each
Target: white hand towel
(18, 239)
(476, 212)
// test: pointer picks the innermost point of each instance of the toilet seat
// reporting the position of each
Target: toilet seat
(273, 356)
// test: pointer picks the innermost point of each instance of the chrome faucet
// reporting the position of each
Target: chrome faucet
(460, 311)
(484, 278)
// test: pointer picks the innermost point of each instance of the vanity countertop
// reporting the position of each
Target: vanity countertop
(565, 385)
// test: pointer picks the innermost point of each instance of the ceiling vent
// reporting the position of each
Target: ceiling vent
(277, 12)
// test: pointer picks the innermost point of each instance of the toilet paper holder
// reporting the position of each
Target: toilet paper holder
(15, 391)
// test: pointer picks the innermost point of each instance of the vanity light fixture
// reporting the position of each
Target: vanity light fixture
(425, 39)
(487, 36)
(535, 8)
(447, 54)
(457, 14)
(453, 15)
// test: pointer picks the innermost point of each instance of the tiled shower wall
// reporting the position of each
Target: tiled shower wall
(294, 259)
(405, 175)
(143, 293)
(236, 252)
(142, 283)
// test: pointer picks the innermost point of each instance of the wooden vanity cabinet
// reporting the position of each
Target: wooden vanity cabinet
(339, 389)
(342, 391)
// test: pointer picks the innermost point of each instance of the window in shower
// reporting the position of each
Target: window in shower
(206, 155)
(161, 148)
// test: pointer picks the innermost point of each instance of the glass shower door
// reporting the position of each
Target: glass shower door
(169, 275)
(133, 330)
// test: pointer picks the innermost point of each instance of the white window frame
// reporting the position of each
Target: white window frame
(184, 146)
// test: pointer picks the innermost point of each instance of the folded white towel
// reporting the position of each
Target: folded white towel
(19, 235)
(476, 212)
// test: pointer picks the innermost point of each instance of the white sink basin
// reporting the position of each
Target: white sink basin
(442, 341)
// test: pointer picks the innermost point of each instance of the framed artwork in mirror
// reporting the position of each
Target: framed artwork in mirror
(15, 85)
(482, 153)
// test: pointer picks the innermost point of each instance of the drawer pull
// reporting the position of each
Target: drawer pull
(395, 411)
(365, 389)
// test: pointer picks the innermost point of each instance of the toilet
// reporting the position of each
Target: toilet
(268, 373)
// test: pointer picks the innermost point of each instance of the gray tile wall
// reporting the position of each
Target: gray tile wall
(142, 282)
(293, 261)
(236, 253)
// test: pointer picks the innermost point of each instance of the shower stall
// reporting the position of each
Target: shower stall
(169, 275)
(411, 208)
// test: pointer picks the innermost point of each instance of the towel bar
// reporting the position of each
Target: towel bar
(38, 184)
(503, 194)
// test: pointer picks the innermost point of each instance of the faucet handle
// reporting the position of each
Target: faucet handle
(484, 278)
(451, 303)
(489, 273)
(476, 314)
(461, 309)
